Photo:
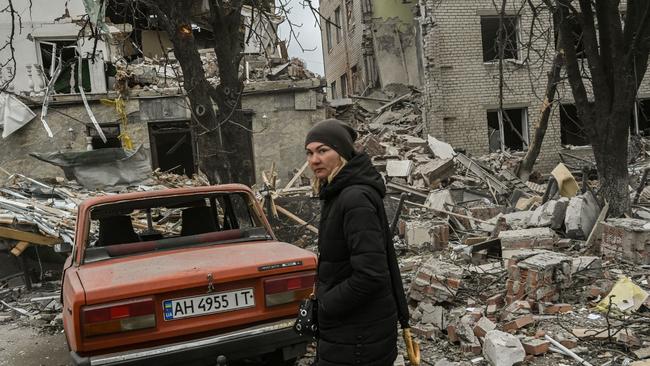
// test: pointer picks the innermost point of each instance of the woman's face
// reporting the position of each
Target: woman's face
(322, 159)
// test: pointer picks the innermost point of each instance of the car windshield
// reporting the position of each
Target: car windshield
(140, 226)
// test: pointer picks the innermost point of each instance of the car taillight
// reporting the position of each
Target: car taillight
(118, 317)
(288, 288)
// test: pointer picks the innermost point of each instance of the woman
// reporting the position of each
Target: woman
(357, 308)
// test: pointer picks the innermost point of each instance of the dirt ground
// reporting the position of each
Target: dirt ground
(22, 345)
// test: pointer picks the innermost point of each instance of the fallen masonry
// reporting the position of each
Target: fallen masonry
(493, 266)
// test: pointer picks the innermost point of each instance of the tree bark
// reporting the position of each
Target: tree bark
(526, 166)
(223, 139)
(205, 130)
(612, 57)
(611, 160)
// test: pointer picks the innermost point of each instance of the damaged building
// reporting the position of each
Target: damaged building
(64, 104)
(448, 49)
(368, 44)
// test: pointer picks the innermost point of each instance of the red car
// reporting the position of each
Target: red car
(182, 276)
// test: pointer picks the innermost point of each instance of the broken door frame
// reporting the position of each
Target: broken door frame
(152, 140)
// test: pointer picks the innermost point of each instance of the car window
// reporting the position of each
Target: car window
(132, 227)
(242, 210)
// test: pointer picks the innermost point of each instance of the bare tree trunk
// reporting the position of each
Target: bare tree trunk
(223, 139)
(174, 15)
(610, 152)
(526, 166)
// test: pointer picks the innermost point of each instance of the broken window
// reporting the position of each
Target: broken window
(571, 128)
(508, 129)
(576, 32)
(171, 222)
(490, 36)
(111, 132)
(64, 53)
(344, 86)
(355, 79)
(337, 21)
(333, 87)
(328, 31)
(641, 117)
(349, 16)
(171, 147)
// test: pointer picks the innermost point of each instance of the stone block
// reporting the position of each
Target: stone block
(436, 281)
(372, 147)
(550, 214)
(486, 212)
(517, 219)
(542, 238)
(436, 315)
(399, 168)
(433, 235)
(502, 349)
(515, 325)
(535, 347)
(581, 215)
(483, 326)
(427, 331)
(435, 171)
(438, 199)
(627, 239)
(588, 266)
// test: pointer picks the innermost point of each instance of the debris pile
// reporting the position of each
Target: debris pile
(165, 74)
(499, 271)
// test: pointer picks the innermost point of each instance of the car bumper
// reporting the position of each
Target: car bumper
(251, 341)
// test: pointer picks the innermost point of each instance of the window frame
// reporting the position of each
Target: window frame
(337, 22)
(344, 85)
(328, 36)
(525, 130)
(517, 34)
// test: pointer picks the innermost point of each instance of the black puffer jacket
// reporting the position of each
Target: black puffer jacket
(357, 309)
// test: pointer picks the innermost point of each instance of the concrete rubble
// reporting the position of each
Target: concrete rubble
(492, 266)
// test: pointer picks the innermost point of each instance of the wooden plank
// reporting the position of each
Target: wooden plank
(19, 248)
(393, 102)
(446, 212)
(297, 219)
(296, 176)
(33, 238)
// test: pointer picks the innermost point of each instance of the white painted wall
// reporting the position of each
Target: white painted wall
(40, 22)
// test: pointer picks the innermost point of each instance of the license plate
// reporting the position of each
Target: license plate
(208, 304)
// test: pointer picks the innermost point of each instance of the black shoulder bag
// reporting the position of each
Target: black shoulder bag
(306, 323)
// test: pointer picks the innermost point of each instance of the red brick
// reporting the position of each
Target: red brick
(518, 323)
(452, 334)
(545, 308)
(536, 346)
(495, 300)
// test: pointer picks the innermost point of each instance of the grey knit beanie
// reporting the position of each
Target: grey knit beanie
(335, 134)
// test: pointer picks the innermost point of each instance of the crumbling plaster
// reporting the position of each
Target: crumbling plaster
(66, 122)
(280, 122)
(279, 131)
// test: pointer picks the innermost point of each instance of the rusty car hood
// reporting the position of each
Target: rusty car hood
(172, 270)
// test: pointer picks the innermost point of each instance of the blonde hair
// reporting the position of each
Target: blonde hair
(316, 183)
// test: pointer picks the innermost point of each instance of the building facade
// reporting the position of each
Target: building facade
(462, 80)
(368, 44)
